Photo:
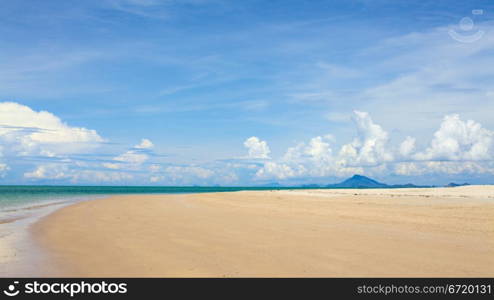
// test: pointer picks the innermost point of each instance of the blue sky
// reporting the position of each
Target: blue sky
(246, 92)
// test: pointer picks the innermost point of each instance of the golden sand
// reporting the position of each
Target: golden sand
(438, 232)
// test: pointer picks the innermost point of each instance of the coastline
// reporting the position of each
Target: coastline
(20, 255)
(437, 232)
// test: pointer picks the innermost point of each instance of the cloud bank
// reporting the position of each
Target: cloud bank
(28, 132)
(43, 148)
(457, 147)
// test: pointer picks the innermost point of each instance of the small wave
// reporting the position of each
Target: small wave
(33, 206)
(10, 219)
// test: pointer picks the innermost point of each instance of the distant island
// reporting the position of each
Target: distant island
(452, 184)
(360, 181)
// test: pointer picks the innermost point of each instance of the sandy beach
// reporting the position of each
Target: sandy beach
(440, 232)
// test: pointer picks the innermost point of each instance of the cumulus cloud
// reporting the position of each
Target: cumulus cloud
(29, 132)
(26, 132)
(48, 171)
(316, 158)
(279, 170)
(369, 148)
(407, 146)
(257, 148)
(443, 167)
(312, 159)
(131, 159)
(459, 140)
(457, 147)
(145, 144)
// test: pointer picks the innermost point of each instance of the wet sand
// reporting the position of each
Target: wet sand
(440, 232)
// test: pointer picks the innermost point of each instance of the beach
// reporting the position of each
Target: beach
(436, 232)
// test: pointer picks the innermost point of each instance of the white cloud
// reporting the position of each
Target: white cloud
(28, 132)
(408, 168)
(145, 144)
(459, 140)
(75, 175)
(443, 167)
(49, 171)
(206, 174)
(313, 159)
(25, 132)
(316, 158)
(131, 159)
(114, 166)
(279, 170)
(457, 147)
(407, 146)
(257, 148)
(184, 175)
(369, 148)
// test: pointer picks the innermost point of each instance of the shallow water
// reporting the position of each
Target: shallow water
(19, 254)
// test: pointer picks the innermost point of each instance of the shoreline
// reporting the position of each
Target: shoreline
(20, 255)
(446, 232)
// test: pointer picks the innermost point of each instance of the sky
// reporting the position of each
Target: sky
(217, 92)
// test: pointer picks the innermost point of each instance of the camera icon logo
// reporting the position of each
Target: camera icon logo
(11, 290)
(466, 26)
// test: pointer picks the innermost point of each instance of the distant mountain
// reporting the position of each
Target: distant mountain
(359, 181)
(452, 184)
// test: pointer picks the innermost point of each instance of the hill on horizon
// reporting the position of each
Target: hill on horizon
(359, 181)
